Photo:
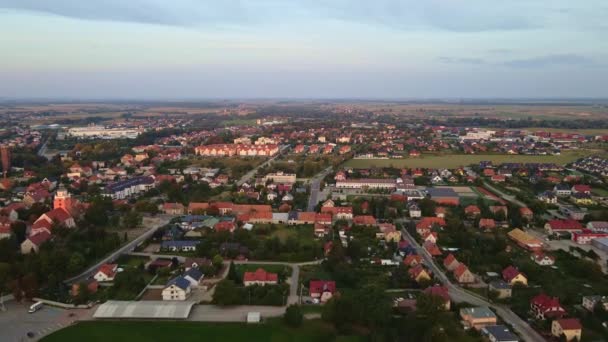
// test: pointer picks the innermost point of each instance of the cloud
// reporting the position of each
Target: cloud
(551, 60)
(460, 60)
(453, 15)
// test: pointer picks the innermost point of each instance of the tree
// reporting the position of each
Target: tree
(131, 219)
(227, 293)
(293, 316)
(233, 274)
(217, 262)
(83, 295)
(76, 263)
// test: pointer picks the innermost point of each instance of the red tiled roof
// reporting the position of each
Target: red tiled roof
(320, 286)
(260, 275)
(367, 220)
(510, 272)
(39, 238)
(570, 324)
(460, 270)
(428, 222)
(439, 291)
(565, 225)
(449, 260)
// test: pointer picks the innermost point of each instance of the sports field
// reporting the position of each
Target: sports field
(104, 331)
(451, 161)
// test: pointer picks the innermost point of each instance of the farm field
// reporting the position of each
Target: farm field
(451, 161)
(195, 331)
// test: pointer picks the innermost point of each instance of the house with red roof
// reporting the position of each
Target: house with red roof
(33, 242)
(432, 249)
(173, 208)
(364, 220)
(487, 224)
(441, 292)
(56, 216)
(430, 237)
(570, 328)
(526, 213)
(322, 289)
(428, 223)
(324, 219)
(581, 189)
(463, 275)
(543, 307)
(543, 259)
(563, 226)
(412, 260)
(450, 262)
(227, 226)
(472, 211)
(106, 272)
(260, 277)
(419, 273)
(513, 276)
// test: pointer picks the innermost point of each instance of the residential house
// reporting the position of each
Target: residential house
(477, 318)
(463, 275)
(322, 289)
(173, 208)
(502, 289)
(179, 245)
(194, 276)
(472, 211)
(414, 211)
(562, 190)
(591, 302)
(487, 224)
(570, 328)
(563, 226)
(106, 272)
(432, 249)
(412, 260)
(526, 213)
(543, 259)
(543, 307)
(419, 273)
(33, 242)
(260, 277)
(513, 276)
(450, 262)
(364, 220)
(547, 197)
(178, 288)
(441, 292)
(498, 333)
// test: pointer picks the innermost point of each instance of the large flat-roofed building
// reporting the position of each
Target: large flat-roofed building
(114, 309)
(525, 240)
(443, 195)
(281, 177)
(104, 133)
(127, 188)
(601, 243)
(369, 183)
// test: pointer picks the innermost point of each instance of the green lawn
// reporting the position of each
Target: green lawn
(195, 331)
(451, 161)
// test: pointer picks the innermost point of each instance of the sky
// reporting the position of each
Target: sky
(392, 49)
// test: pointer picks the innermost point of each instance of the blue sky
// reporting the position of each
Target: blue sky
(190, 49)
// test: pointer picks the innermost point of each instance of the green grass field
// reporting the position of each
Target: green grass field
(451, 161)
(196, 331)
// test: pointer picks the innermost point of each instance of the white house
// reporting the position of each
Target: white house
(178, 288)
(106, 272)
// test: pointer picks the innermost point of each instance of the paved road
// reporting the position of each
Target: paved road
(315, 188)
(249, 175)
(16, 322)
(460, 295)
(504, 196)
(161, 220)
(214, 313)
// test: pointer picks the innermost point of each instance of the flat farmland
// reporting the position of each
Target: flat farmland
(451, 161)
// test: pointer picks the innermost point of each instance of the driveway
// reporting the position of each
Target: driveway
(16, 322)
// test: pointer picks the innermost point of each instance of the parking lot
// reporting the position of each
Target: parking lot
(16, 322)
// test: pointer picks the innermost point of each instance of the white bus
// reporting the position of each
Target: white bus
(35, 307)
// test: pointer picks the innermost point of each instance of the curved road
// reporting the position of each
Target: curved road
(458, 294)
(129, 247)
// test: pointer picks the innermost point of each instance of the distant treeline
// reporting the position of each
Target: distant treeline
(529, 122)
